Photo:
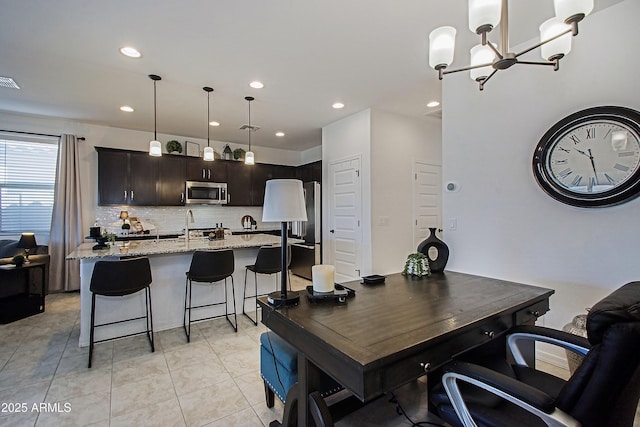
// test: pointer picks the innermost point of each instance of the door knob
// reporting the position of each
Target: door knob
(332, 231)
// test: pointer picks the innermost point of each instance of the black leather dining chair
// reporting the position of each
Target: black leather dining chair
(485, 390)
(117, 279)
(209, 267)
(268, 261)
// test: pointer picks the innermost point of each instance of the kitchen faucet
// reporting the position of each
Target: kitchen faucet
(186, 225)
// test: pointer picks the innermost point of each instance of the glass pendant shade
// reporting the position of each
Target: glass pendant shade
(483, 13)
(249, 158)
(567, 8)
(481, 55)
(208, 154)
(558, 47)
(441, 46)
(155, 149)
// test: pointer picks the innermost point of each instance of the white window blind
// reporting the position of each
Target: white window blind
(27, 179)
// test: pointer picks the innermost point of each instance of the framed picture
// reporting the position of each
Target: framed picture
(192, 149)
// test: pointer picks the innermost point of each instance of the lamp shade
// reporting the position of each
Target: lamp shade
(249, 158)
(155, 149)
(566, 9)
(284, 201)
(558, 47)
(441, 46)
(481, 55)
(208, 154)
(27, 241)
(483, 13)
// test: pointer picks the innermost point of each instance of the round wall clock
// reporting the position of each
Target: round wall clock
(591, 158)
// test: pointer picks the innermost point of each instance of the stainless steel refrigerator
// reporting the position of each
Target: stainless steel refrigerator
(304, 255)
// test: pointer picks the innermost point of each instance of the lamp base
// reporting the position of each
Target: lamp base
(277, 299)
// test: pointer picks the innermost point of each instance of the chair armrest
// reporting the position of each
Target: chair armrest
(575, 343)
(510, 389)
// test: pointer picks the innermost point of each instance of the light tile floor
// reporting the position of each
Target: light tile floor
(212, 381)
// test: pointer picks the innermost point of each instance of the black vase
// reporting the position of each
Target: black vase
(435, 265)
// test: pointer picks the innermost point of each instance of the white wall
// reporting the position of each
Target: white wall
(388, 144)
(396, 143)
(507, 226)
(102, 136)
(347, 138)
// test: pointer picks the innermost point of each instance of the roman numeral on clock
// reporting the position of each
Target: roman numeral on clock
(576, 181)
(591, 133)
(565, 173)
(575, 139)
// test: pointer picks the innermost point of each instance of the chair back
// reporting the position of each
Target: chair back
(605, 389)
(268, 259)
(211, 266)
(120, 277)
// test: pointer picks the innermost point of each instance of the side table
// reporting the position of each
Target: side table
(25, 302)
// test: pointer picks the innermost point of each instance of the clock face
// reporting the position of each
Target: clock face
(591, 158)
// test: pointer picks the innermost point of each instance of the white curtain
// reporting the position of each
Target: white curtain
(66, 221)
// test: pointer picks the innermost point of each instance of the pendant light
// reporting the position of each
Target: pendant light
(155, 148)
(208, 151)
(249, 158)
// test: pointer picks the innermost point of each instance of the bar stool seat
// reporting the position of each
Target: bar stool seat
(207, 268)
(117, 279)
(267, 262)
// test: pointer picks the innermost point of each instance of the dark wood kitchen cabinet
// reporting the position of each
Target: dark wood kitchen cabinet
(170, 185)
(310, 172)
(126, 178)
(260, 173)
(199, 170)
(238, 183)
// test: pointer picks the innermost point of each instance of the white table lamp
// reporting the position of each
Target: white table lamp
(283, 202)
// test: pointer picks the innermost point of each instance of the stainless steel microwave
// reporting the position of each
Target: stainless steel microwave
(206, 193)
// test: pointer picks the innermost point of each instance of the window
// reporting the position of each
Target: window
(27, 179)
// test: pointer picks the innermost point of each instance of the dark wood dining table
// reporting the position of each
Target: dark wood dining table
(391, 333)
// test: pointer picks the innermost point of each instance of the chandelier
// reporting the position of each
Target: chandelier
(487, 58)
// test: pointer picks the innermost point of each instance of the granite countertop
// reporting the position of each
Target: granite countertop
(174, 246)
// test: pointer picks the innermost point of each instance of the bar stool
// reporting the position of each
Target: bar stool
(267, 262)
(116, 279)
(208, 267)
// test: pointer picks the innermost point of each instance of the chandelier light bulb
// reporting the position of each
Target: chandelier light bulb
(484, 15)
(572, 10)
(559, 47)
(441, 46)
(481, 55)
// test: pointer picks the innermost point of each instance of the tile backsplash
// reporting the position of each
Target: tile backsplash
(171, 220)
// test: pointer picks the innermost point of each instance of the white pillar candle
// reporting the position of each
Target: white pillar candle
(323, 278)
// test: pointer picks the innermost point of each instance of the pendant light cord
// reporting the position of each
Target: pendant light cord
(249, 125)
(208, 115)
(155, 127)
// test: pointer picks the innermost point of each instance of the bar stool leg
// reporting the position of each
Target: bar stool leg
(187, 308)
(150, 319)
(93, 322)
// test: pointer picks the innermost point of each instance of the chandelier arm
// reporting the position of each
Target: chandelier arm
(482, 82)
(536, 63)
(537, 45)
(496, 51)
(470, 67)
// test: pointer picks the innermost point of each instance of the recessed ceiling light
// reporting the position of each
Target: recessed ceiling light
(131, 52)
(433, 104)
(256, 85)
(279, 133)
(8, 82)
(126, 109)
(214, 123)
(338, 105)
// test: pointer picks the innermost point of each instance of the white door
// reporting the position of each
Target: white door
(427, 199)
(345, 215)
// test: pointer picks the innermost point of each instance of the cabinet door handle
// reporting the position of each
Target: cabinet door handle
(131, 195)
(181, 197)
(202, 173)
(209, 174)
(125, 196)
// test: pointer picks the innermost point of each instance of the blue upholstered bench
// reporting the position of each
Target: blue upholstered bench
(275, 352)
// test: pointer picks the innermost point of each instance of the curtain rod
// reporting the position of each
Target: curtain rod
(81, 138)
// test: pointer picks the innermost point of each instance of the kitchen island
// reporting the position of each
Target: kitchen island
(169, 259)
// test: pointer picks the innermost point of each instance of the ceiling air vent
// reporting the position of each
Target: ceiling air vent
(252, 127)
(8, 82)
